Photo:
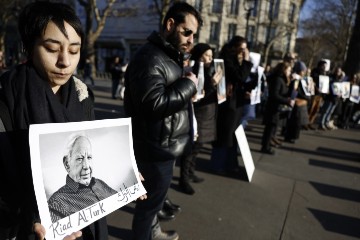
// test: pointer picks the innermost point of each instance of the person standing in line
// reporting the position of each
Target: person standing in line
(237, 69)
(299, 114)
(205, 111)
(116, 75)
(158, 95)
(278, 95)
(318, 99)
(348, 108)
(331, 101)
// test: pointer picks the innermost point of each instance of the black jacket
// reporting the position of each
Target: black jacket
(278, 94)
(18, 206)
(157, 99)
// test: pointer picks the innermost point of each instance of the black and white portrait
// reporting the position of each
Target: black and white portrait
(80, 168)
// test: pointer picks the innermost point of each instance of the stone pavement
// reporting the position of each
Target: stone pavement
(307, 190)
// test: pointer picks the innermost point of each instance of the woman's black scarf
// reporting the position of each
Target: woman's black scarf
(31, 100)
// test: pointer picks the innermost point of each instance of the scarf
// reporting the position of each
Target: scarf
(31, 100)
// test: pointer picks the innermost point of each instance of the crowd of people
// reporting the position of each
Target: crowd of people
(170, 122)
(303, 99)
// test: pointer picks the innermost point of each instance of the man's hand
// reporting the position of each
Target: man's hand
(192, 77)
(142, 197)
(247, 95)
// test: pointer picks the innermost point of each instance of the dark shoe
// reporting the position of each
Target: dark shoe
(273, 144)
(169, 206)
(186, 188)
(311, 127)
(166, 235)
(322, 128)
(268, 151)
(158, 234)
(196, 179)
(165, 215)
(290, 140)
(276, 141)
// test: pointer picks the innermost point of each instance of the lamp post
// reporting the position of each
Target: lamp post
(249, 5)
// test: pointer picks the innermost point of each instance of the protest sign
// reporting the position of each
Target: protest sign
(324, 84)
(82, 171)
(255, 95)
(245, 151)
(221, 87)
(355, 94)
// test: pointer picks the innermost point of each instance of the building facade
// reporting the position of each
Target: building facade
(270, 26)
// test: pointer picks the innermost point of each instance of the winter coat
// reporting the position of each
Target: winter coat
(157, 98)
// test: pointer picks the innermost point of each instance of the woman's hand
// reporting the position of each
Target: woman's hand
(217, 77)
(142, 197)
(40, 232)
(73, 236)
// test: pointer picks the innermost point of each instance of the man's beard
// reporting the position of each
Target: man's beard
(174, 40)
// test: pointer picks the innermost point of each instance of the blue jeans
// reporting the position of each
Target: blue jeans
(328, 110)
(157, 177)
(247, 114)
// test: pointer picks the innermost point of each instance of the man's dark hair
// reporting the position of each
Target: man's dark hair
(178, 12)
(35, 17)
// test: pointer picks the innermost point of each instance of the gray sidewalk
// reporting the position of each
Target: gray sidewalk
(307, 190)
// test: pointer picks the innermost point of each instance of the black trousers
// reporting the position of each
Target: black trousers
(188, 163)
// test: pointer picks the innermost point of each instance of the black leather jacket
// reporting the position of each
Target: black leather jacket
(157, 99)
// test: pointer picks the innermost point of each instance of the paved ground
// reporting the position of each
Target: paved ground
(307, 190)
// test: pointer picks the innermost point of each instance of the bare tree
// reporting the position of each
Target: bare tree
(352, 63)
(9, 10)
(161, 7)
(95, 23)
(331, 22)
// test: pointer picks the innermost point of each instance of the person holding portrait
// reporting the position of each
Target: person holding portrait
(42, 90)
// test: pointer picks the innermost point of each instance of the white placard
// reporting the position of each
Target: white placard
(221, 87)
(245, 151)
(355, 95)
(112, 166)
(306, 87)
(345, 92)
(255, 95)
(324, 84)
(255, 60)
(201, 80)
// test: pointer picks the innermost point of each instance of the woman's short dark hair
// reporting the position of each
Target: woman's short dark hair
(35, 17)
(229, 47)
(178, 12)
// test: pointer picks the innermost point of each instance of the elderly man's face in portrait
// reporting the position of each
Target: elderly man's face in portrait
(79, 162)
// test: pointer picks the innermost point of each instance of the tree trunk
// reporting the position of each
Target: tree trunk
(352, 63)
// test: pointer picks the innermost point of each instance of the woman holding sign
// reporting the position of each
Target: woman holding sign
(205, 110)
(42, 90)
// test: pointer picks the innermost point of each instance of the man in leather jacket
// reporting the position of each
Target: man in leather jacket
(158, 95)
